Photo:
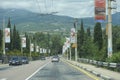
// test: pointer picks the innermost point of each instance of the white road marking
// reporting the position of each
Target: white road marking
(37, 71)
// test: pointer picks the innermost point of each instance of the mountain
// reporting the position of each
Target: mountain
(30, 21)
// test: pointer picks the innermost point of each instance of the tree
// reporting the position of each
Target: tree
(56, 45)
(27, 50)
(81, 33)
(16, 39)
(80, 39)
(98, 39)
(88, 32)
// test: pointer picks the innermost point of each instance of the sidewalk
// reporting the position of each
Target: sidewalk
(98, 71)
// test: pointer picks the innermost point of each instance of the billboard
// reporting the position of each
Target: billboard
(23, 42)
(31, 47)
(7, 35)
(72, 35)
(37, 48)
(100, 10)
(41, 50)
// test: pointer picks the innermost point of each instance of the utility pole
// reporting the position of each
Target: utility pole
(3, 37)
(21, 47)
(30, 48)
(70, 52)
(110, 29)
(76, 55)
(3, 42)
(67, 53)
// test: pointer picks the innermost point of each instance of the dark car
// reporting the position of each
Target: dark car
(55, 59)
(42, 58)
(25, 60)
(16, 60)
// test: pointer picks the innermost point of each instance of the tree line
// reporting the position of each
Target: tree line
(41, 39)
(93, 44)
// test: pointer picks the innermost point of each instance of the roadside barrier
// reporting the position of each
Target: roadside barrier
(101, 64)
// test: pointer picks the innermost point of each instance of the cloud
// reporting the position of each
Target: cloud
(73, 8)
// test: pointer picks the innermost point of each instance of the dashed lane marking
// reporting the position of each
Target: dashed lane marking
(37, 71)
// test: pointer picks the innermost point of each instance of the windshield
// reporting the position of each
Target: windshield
(15, 58)
(59, 39)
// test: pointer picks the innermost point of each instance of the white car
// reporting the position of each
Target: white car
(55, 59)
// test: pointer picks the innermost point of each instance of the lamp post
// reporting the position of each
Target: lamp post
(5, 60)
(3, 43)
(76, 55)
(110, 50)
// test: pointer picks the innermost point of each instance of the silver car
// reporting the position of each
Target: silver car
(55, 59)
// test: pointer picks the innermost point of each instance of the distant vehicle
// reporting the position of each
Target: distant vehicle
(25, 60)
(16, 60)
(55, 59)
(42, 58)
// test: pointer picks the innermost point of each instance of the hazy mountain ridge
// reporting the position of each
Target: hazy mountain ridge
(29, 21)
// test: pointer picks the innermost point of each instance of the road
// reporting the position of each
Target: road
(59, 71)
(20, 72)
(42, 70)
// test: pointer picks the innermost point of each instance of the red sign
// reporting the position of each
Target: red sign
(100, 3)
(100, 9)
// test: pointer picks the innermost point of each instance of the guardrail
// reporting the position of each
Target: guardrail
(102, 76)
(100, 63)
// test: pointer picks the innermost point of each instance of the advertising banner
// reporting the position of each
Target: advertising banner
(100, 10)
(49, 51)
(37, 48)
(7, 35)
(68, 42)
(72, 35)
(41, 50)
(23, 42)
(31, 47)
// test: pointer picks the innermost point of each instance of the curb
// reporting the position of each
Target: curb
(93, 72)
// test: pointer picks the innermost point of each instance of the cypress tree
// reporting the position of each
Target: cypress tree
(81, 33)
(88, 32)
(98, 40)
(81, 39)
(16, 39)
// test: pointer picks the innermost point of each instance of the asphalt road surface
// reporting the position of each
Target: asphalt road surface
(59, 71)
(20, 72)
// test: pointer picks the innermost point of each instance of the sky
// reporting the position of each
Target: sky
(72, 8)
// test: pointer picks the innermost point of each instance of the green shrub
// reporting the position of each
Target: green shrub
(115, 58)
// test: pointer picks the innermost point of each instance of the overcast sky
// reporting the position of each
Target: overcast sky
(73, 8)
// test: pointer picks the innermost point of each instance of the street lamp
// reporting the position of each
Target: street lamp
(76, 54)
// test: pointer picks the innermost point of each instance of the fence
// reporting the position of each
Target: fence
(113, 66)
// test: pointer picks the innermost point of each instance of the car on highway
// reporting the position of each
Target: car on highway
(55, 59)
(42, 58)
(25, 60)
(15, 60)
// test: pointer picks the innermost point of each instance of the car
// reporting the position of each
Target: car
(42, 58)
(15, 60)
(25, 60)
(55, 59)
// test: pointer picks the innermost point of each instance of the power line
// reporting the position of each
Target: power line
(39, 7)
